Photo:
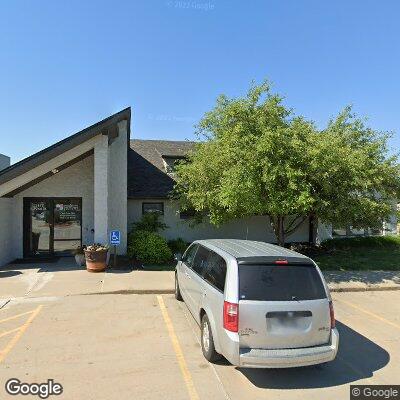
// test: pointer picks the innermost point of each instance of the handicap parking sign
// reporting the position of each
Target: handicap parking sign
(115, 238)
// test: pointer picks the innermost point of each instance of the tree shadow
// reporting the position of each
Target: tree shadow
(358, 358)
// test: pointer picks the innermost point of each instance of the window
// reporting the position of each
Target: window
(201, 260)
(153, 207)
(215, 271)
(280, 283)
(189, 255)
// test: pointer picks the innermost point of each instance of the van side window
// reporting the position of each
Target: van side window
(201, 260)
(189, 255)
(215, 272)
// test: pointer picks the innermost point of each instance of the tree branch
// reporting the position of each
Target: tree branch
(290, 231)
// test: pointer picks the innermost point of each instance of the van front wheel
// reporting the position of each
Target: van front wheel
(207, 341)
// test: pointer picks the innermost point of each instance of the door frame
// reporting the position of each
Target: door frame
(27, 223)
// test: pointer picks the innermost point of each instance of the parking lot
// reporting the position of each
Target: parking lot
(146, 347)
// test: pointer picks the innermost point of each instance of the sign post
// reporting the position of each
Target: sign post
(115, 240)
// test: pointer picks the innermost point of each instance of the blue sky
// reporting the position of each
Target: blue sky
(66, 65)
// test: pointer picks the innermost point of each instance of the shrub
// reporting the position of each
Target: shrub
(368, 242)
(148, 247)
(150, 222)
(178, 245)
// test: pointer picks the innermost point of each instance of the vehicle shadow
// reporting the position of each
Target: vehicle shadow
(358, 358)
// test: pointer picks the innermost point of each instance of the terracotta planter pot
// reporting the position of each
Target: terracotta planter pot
(96, 261)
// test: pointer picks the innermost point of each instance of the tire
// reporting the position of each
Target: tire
(207, 341)
(178, 295)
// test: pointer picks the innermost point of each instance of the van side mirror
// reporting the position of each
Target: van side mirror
(178, 256)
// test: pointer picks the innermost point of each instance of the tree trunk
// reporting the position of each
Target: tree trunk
(312, 234)
(281, 233)
(278, 226)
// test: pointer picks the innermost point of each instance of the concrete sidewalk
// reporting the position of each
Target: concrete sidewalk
(64, 278)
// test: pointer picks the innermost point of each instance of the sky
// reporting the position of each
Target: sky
(65, 65)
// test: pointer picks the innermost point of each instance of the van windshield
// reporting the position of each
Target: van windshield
(280, 283)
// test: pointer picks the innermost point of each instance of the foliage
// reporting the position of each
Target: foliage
(257, 158)
(384, 242)
(79, 250)
(148, 247)
(150, 222)
(97, 247)
(178, 246)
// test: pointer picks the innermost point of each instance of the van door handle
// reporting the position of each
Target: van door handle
(188, 275)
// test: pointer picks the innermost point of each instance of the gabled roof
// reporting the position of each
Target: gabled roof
(107, 126)
(147, 177)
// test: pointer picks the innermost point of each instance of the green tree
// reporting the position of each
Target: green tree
(256, 157)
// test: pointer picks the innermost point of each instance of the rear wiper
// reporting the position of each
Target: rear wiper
(295, 298)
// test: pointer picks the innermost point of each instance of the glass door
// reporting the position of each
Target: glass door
(67, 225)
(52, 226)
(39, 223)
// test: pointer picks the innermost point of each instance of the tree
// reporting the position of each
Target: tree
(256, 157)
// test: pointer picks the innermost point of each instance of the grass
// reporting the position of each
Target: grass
(360, 253)
(347, 254)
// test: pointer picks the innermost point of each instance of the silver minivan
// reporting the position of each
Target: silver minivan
(257, 304)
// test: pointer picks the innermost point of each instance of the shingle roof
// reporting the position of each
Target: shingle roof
(147, 177)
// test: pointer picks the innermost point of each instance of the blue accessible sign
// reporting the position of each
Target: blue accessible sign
(115, 238)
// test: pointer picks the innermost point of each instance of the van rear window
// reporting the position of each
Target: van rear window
(280, 283)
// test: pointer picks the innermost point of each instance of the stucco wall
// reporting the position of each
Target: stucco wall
(6, 231)
(117, 185)
(254, 228)
(75, 181)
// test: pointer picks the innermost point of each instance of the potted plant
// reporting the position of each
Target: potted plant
(80, 256)
(96, 257)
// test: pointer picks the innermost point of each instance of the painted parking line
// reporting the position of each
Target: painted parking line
(369, 313)
(187, 377)
(19, 331)
(16, 316)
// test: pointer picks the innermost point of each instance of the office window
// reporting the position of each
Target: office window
(153, 207)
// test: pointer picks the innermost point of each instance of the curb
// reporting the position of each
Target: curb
(365, 289)
(172, 291)
(134, 291)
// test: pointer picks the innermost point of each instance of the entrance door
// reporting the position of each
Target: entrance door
(52, 226)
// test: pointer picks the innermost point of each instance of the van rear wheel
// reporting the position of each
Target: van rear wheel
(178, 295)
(207, 341)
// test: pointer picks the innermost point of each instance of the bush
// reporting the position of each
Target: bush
(150, 222)
(148, 247)
(367, 242)
(178, 245)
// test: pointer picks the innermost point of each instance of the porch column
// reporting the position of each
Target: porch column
(101, 190)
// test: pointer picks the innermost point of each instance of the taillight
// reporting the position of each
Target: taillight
(332, 314)
(231, 316)
(281, 262)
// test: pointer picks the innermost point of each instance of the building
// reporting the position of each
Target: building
(97, 180)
